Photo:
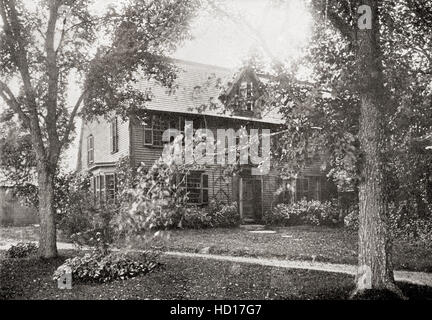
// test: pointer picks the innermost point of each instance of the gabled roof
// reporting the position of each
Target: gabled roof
(197, 91)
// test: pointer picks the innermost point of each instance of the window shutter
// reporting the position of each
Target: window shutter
(204, 189)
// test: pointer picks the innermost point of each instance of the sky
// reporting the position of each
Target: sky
(228, 42)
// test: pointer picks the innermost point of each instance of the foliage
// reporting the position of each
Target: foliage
(54, 46)
(404, 222)
(155, 199)
(79, 217)
(99, 267)
(351, 220)
(22, 250)
(214, 216)
(303, 212)
(151, 201)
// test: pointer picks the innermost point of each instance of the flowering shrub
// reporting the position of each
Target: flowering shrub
(99, 267)
(303, 212)
(22, 250)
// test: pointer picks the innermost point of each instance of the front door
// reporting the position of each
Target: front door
(251, 205)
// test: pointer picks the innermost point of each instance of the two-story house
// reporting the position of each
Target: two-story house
(197, 97)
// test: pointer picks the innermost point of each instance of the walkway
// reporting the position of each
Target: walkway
(419, 278)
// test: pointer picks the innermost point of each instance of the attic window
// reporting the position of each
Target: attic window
(243, 89)
(246, 94)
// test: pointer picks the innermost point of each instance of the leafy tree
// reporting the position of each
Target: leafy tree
(42, 49)
(366, 102)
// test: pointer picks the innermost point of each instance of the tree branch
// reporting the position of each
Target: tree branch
(12, 102)
(72, 118)
(347, 31)
(13, 30)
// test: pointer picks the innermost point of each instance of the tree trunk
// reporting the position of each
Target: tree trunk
(375, 269)
(48, 238)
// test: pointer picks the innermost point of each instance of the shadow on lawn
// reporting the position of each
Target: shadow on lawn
(184, 279)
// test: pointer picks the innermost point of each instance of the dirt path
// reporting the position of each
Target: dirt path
(419, 278)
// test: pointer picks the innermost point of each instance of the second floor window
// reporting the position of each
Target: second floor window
(90, 149)
(154, 130)
(114, 136)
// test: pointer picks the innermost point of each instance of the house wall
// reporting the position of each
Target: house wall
(221, 186)
(100, 129)
(13, 213)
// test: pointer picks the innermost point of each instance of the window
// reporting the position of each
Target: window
(111, 186)
(197, 187)
(309, 188)
(90, 149)
(114, 135)
(249, 96)
(154, 130)
(105, 188)
(245, 93)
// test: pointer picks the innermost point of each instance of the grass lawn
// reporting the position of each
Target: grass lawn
(183, 279)
(335, 245)
(323, 244)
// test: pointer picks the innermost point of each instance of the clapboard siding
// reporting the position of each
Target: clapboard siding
(100, 129)
(141, 153)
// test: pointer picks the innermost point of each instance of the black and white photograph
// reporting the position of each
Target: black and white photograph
(238, 152)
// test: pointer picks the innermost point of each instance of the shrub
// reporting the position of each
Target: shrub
(303, 212)
(404, 222)
(22, 250)
(351, 219)
(224, 215)
(214, 216)
(99, 267)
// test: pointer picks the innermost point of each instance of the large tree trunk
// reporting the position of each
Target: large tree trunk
(375, 269)
(47, 239)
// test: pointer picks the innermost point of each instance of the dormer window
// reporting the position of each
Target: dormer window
(249, 90)
(246, 95)
(243, 90)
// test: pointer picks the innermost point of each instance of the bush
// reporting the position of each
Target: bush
(99, 267)
(213, 216)
(351, 219)
(224, 215)
(303, 212)
(404, 222)
(22, 250)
